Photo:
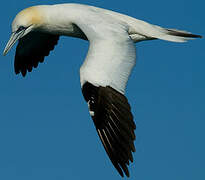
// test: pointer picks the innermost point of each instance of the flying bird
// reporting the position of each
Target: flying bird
(106, 69)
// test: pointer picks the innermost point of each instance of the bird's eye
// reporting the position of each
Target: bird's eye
(21, 28)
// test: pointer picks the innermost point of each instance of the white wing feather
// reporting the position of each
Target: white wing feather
(111, 56)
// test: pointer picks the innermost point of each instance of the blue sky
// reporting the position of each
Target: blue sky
(47, 133)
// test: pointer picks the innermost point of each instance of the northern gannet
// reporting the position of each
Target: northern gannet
(106, 69)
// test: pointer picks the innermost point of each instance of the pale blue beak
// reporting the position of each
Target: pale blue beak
(15, 36)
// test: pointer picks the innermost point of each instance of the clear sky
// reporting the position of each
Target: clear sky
(45, 128)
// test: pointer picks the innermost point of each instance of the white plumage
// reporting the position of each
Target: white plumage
(106, 69)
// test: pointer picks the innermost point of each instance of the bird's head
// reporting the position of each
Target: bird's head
(25, 21)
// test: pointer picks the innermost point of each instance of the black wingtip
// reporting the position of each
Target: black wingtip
(17, 72)
(183, 34)
(199, 36)
(195, 36)
(114, 123)
(23, 73)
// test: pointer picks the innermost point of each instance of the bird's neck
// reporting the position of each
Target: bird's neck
(60, 20)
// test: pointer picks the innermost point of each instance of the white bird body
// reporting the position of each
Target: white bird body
(111, 55)
(106, 69)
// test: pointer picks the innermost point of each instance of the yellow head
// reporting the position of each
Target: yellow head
(28, 17)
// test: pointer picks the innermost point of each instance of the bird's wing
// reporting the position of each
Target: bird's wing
(114, 123)
(32, 49)
(104, 75)
(111, 57)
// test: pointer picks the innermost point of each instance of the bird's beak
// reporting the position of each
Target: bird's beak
(15, 36)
